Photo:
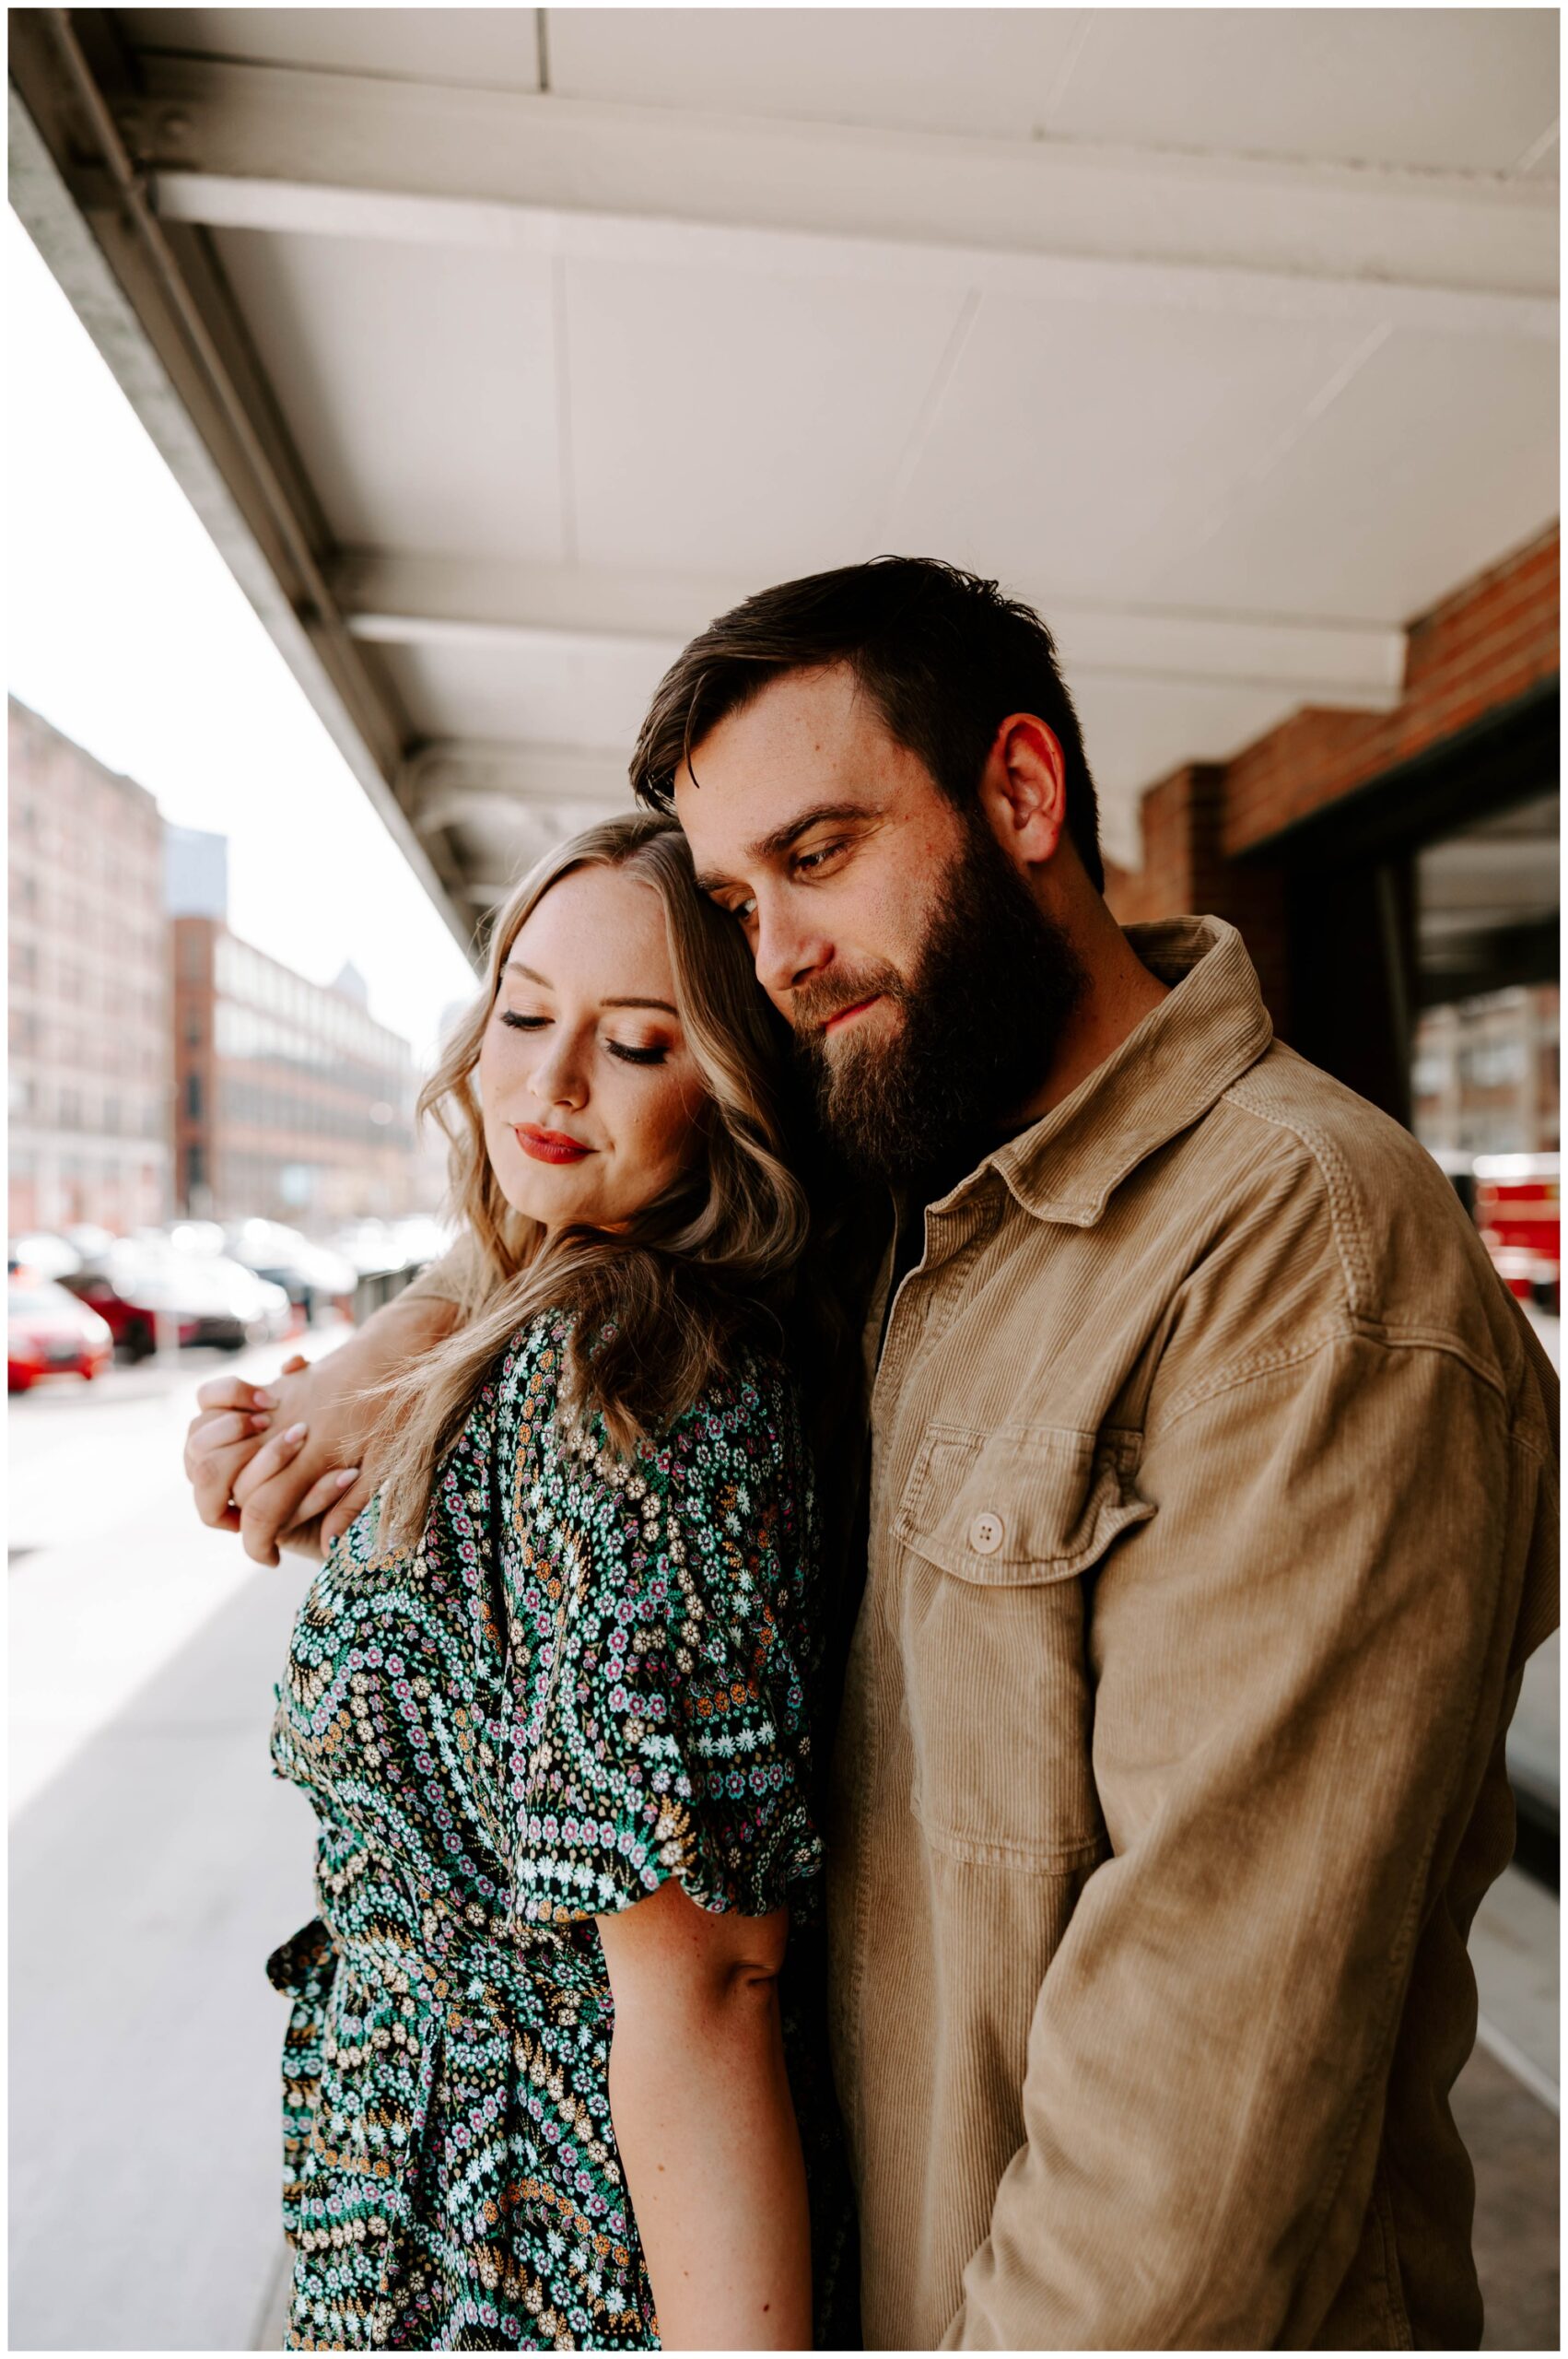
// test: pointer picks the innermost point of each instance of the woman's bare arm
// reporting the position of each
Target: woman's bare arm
(705, 2124)
(236, 1448)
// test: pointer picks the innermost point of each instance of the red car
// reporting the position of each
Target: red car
(1519, 1213)
(49, 1333)
(197, 1297)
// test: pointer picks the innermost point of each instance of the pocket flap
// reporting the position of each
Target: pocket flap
(1036, 1503)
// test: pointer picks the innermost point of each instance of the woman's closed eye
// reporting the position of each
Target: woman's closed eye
(628, 1052)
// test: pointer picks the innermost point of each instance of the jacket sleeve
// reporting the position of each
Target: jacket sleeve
(1298, 1666)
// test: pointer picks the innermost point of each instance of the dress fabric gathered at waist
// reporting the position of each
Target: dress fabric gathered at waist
(427, 2115)
(591, 1674)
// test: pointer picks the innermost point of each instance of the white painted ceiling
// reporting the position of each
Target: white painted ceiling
(1226, 336)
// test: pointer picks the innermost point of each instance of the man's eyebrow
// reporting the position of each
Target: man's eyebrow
(516, 966)
(770, 847)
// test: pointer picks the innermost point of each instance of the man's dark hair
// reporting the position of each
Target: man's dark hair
(943, 653)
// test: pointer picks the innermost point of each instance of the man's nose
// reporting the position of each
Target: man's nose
(789, 951)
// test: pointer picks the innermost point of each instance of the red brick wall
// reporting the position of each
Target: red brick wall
(1482, 647)
(1478, 651)
(1185, 868)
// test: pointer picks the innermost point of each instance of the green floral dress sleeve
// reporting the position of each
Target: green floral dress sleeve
(660, 1615)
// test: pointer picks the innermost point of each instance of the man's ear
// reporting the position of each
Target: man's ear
(1023, 788)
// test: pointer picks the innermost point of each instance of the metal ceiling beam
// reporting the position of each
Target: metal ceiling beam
(452, 779)
(406, 597)
(409, 601)
(83, 203)
(290, 149)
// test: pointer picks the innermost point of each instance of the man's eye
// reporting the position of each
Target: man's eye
(812, 860)
(523, 1023)
(745, 910)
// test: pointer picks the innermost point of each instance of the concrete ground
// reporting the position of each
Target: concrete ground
(155, 1862)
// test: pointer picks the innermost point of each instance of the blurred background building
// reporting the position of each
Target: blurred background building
(1486, 1073)
(91, 1056)
(158, 1065)
(293, 1104)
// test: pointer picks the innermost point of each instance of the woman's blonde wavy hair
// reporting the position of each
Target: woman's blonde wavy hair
(659, 1307)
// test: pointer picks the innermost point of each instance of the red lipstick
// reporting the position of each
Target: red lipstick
(549, 1146)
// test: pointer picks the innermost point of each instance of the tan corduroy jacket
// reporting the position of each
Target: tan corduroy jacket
(1212, 1518)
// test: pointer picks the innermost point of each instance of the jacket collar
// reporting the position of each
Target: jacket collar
(1164, 1077)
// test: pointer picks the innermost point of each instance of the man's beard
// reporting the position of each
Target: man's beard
(995, 982)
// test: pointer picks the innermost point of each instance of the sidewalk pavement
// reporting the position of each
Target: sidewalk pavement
(149, 1879)
(155, 1862)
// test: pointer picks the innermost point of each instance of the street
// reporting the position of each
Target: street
(155, 1862)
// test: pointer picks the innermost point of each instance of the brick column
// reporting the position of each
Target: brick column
(1186, 872)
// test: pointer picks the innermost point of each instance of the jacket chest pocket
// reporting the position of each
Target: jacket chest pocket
(997, 1531)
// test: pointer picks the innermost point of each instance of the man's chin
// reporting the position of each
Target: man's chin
(863, 1119)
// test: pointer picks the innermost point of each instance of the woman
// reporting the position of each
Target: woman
(550, 1697)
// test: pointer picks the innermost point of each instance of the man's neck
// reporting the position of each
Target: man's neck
(1118, 994)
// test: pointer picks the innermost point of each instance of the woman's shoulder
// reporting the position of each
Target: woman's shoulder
(744, 1427)
(753, 1393)
(534, 1352)
(749, 1409)
(515, 1402)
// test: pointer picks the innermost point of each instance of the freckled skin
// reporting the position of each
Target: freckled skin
(596, 935)
(853, 893)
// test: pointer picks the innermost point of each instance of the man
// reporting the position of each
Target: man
(1211, 1521)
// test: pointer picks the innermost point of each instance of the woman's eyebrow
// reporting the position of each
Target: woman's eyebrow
(516, 966)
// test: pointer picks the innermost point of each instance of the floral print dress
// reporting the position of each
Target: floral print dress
(593, 1674)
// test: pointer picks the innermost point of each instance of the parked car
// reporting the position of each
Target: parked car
(41, 1254)
(205, 1297)
(49, 1333)
(421, 1240)
(1518, 1211)
(386, 1254)
(312, 1277)
(371, 1246)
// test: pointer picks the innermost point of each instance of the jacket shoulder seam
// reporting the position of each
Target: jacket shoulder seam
(1254, 1366)
(1338, 1186)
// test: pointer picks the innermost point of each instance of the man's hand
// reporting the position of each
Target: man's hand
(286, 1467)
